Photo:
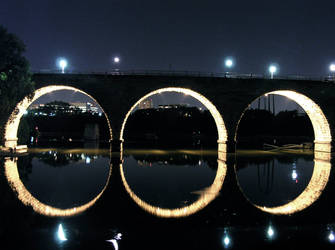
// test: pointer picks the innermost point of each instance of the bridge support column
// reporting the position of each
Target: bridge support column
(11, 142)
(322, 146)
(116, 148)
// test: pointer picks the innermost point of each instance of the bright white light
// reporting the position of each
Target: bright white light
(88, 160)
(273, 69)
(229, 63)
(332, 67)
(114, 241)
(63, 64)
(61, 233)
(331, 236)
(226, 241)
(294, 174)
(116, 59)
(270, 232)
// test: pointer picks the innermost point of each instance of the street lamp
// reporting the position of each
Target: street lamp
(229, 63)
(116, 59)
(63, 65)
(272, 69)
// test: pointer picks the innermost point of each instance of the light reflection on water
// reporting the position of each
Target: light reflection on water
(286, 199)
(64, 180)
(274, 181)
(56, 184)
(169, 181)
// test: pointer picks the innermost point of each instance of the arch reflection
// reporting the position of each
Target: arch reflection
(206, 195)
(311, 193)
(13, 178)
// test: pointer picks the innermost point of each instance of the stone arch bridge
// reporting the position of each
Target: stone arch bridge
(226, 98)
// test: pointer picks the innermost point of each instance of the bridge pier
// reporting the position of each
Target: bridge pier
(11, 142)
(116, 147)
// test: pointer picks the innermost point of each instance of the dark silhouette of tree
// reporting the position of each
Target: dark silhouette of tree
(15, 77)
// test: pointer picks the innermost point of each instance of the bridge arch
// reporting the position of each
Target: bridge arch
(222, 131)
(322, 132)
(13, 122)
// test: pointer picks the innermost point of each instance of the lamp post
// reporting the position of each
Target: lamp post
(116, 60)
(63, 65)
(272, 70)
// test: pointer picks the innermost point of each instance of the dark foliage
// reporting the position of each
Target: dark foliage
(15, 77)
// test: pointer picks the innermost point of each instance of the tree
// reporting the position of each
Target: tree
(15, 76)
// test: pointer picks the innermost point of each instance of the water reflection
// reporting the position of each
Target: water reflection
(56, 184)
(284, 185)
(176, 185)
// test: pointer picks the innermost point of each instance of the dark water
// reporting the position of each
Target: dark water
(156, 199)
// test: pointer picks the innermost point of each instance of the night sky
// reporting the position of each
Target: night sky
(176, 34)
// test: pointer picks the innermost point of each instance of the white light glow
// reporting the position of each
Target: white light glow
(270, 232)
(273, 69)
(332, 67)
(229, 63)
(331, 236)
(61, 234)
(63, 64)
(226, 241)
(294, 174)
(116, 59)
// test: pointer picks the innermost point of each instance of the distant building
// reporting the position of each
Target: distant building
(172, 106)
(57, 107)
(146, 104)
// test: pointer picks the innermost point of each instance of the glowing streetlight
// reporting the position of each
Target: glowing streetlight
(273, 70)
(332, 67)
(116, 59)
(332, 70)
(229, 63)
(63, 64)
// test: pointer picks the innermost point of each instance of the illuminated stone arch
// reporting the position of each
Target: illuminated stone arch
(13, 178)
(322, 133)
(13, 122)
(222, 131)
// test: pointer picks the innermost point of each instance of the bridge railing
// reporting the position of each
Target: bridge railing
(179, 73)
